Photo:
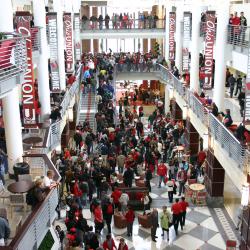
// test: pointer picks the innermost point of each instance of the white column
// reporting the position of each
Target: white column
(166, 42)
(194, 65)
(220, 49)
(167, 100)
(61, 62)
(11, 111)
(178, 38)
(43, 72)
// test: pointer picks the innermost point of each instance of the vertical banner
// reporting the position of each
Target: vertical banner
(53, 45)
(209, 48)
(77, 37)
(172, 23)
(246, 118)
(28, 92)
(68, 29)
(186, 39)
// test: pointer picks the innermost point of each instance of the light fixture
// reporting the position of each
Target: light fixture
(245, 195)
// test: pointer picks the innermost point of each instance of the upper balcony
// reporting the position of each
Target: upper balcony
(133, 28)
(13, 60)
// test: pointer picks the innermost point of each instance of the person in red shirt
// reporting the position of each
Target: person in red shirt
(109, 243)
(161, 172)
(184, 206)
(130, 216)
(122, 245)
(98, 219)
(116, 196)
(176, 210)
(236, 27)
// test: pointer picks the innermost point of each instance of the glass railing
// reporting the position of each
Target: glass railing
(13, 56)
(122, 25)
(238, 35)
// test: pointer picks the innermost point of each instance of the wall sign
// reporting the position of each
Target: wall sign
(172, 22)
(53, 45)
(186, 39)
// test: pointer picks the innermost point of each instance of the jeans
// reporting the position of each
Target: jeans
(161, 179)
(79, 202)
(130, 228)
(181, 187)
(120, 169)
(170, 196)
(176, 220)
(148, 185)
(153, 232)
(182, 219)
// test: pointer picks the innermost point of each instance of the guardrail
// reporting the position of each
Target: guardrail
(227, 140)
(122, 25)
(36, 38)
(238, 35)
(13, 56)
(40, 219)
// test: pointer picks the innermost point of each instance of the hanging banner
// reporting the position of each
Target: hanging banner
(209, 48)
(77, 37)
(53, 45)
(246, 118)
(23, 20)
(186, 39)
(68, 29)
(172, 21)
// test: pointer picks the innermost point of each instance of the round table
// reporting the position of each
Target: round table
(137, 177)
(197, 187)
(20, 186)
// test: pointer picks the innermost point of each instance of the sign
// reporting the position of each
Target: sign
(28, 91)
(172, 20)
(209, 48)
(68, 28)
(77, 37)
(246, 118)
(53, 45)
(186, 40)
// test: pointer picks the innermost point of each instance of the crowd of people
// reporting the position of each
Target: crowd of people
(122, 21)
(93, 167)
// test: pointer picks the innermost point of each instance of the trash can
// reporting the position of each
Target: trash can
(21, 168)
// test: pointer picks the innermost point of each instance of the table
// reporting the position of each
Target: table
(196, 187)
(20, 186)
(137, 177)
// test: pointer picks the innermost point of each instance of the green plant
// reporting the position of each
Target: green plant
(47, 242)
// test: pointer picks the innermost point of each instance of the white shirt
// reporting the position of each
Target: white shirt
(124, 199)
(47, 181)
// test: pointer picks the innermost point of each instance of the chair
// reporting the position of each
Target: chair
(140, 183)
(25, 177)
(201, 198)
(17, 200)
(144, 220)
(119, 220)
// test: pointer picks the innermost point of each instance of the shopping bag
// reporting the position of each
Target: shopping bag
(172, 235)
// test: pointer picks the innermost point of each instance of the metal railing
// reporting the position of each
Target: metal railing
(122, 25)
(36, 38)
(13, 55)
(139, 67)
(54, 135)
(238, 35)
(203, 29)
(227, 140)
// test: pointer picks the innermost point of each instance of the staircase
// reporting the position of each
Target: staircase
(87, 109)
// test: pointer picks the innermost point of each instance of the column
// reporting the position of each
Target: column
(220, 49)
(43, 72)
(178, 38)
(194, 65)
(11, 111)
(167, 100)
(61, 61)
(166, 42)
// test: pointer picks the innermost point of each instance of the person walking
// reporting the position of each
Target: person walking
(146, 201)
(154, 224)
(170, 185)
(108, 211)
(165, 220)
(182, 178)
(120, 162)
(184, 204)
(161, 172)
(231, 81)
(176, 210)
(98, 219)
(109, 243)
(128, 177)
(122, 245)
(148, 177)
(124, 201)
(130, 217)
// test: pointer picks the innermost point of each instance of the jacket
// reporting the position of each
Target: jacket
(4, 228)
(98, 215)
(106, 245)
(130, 216)
(165, 219)
(162, 170)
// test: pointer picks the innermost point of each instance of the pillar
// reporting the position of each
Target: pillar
(178, 38)
(61, 61)
(194, 65)
(95, 41)
(220, 50)
(43, 72)
(192, 138)
(166, 100)
(11, 111)
(145, 45)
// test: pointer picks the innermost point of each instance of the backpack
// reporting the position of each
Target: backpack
(30, 197)
(110, 209)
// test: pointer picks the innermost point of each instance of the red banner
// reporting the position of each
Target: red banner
(28, 92)
(68, 27)
(172, 21)
(246, 118)
(209, 48)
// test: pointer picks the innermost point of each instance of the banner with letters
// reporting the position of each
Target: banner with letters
(77, 37)
(246, 118)
(172, 23)
(68, 31)
(209, 49)
(186, 39)
(28, 91)
(53, 45)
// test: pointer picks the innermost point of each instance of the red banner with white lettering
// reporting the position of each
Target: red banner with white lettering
(246, 117)
(172, 21)
(68, 28)
(209, 49)
(23, 20)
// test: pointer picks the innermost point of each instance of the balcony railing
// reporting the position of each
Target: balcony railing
(227, 140)
(40, 219)
(36, 39)
(123, 25)
(13, 56)
(238, 35)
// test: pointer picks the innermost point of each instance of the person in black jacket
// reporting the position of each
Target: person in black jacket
(128, 177)
(100, 20)
(107, 18)
(148, 177)
(108, 211)
(215, 110)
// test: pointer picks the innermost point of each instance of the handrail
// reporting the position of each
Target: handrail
(238, 35)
